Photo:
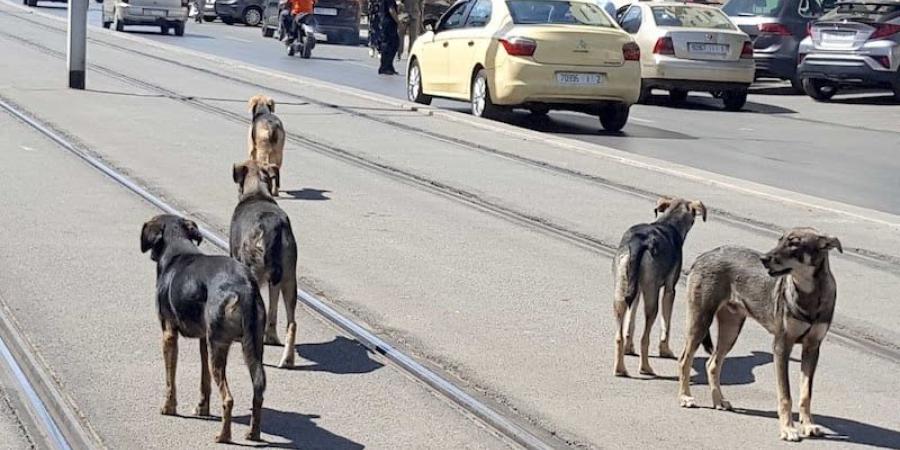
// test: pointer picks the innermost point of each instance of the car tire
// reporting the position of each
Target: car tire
(734, 100)
(164, 29)
(228, 21)
(539, 111)
(31, 3)
(179, 29)
(614, 117)
(414, 85)
(797, 85)
(480, 98)
(646, 93)
(819, 90)
(677, 95)
(106, 24)
(252, 16)
(267, 32)
(209, 18)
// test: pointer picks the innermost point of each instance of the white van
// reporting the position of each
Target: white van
(163, 13)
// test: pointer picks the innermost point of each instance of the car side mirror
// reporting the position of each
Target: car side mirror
(430, 24)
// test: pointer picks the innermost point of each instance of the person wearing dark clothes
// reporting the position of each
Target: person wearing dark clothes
(390, 38)
(373, 13)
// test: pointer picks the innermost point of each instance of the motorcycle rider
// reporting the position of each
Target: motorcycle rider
(294, 14)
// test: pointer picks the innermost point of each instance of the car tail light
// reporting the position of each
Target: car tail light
(664, 46)
(747, 50)
(883, 30)
(517, 46)
(631, 51)
(884, 61)
(774, 28)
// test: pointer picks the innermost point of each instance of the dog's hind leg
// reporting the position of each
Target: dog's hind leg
(218, 357)
(729, 324)
(698, 322)
(620, 308)
(289, 292)
(203, 407)
(272, 317)
(809, 361)
(630, 317)
(252, 346)
(170, 355)
(651, 308)
(668, 301)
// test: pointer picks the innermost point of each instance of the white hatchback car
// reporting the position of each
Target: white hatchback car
(167, 14)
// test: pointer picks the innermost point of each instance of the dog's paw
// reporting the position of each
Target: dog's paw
(790, 434)
(621, 372)
(286, 363)
(810, 430)
(724, 405)
(169, 409)
(665, 351)
(687, 401)
(253, 436)
(202, 410)
(647, 370)
(629, 349)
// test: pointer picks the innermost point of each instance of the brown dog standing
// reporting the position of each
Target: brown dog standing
(266, 139)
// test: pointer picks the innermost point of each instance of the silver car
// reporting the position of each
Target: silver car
(855, 45)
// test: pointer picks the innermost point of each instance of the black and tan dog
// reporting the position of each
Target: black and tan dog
(212, 298)
(266, 137)
(790, 291)
(649, 258)
(261, 238)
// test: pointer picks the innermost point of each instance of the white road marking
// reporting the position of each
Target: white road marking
(246, 41)
(27, 148)
(638, 119)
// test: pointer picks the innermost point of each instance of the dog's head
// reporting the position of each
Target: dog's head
(260, 104)
(799, 247)
(251, 178)
(165, 229)
(680, 209)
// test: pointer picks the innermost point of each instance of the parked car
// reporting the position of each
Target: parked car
(209, 10)
(776, 28)
(690, 47)
(855, 45)
(338, 20)
(434, 9)
(33, 3)
(248, 12)
(538, 55)
(167, 14)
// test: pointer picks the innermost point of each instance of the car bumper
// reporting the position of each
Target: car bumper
(775, 66)
(522, 81)
(845, 69)
(135, 15)
(669, 68)
(232, 11)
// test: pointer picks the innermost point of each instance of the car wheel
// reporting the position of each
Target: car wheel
(267, 32)
(734, 100)
(209, 18)
(819, 90)
(539, 111)
(797, 85)
(252, 16)
(164, 29)
(31, 3)
(414, 85)
(614, 117)
(179, 29)
(678, 95)
(646, 93)
(480, 98)
(228, 21)
(106, 24)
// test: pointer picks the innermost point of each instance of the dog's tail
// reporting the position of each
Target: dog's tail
(636, 250)
(707, 343)
(253, 323)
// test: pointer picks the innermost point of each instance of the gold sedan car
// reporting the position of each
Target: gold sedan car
(533, 54)
(690, 47)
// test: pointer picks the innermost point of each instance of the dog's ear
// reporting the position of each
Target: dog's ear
(697, 207)
(271, 104)
(239, 172)
(662, 205)
(830, 242)
(151, 234)
(251, 105)
(193, 231)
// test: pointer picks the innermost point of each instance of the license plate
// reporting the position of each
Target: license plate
(702, 47)
(839, 36)
(326, 11)
(155, 12)
(579, 79)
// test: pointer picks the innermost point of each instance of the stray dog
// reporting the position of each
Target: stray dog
(267, 136)
(261, 238)
(212, 298)
(790, 291)
(649, 258)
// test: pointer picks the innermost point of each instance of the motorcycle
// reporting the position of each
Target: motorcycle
(306, 37)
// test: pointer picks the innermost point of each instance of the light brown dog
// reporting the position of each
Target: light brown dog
(266, 137)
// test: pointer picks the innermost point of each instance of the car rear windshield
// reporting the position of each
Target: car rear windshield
(531, 12)
(690, 17)
(871, 12)
(750, 8)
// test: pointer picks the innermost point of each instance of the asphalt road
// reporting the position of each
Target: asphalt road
(845, 151)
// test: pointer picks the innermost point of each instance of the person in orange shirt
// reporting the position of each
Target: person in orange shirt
(291, 9)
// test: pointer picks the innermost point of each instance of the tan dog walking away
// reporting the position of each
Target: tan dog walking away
(266, 138)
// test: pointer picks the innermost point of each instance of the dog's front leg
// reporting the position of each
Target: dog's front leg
(170, 355)
(808, 366)
(782, 351)
(203, 407)
(668, 302)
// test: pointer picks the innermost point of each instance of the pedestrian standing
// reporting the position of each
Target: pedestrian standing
(373, 14)
(390, 38)
(403, 29)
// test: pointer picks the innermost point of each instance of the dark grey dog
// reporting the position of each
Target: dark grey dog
(212, 298)
(261, 238)
(649, 258)
(790, 291)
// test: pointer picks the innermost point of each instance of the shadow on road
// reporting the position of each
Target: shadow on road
(775, 90)
(586, 125)
(340, 356)
(847, 430)
(308, 194)
(736, 370)
(300, 430)
(698, 103)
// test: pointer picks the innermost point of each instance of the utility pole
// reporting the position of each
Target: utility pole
(77, 42)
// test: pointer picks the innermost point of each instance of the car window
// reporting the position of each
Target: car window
(631, 21)
(480, 14)
(750, 8)
(564, 12)
(810, 9)
(683, 16)
(454, 18)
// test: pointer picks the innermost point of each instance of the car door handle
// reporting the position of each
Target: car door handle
(471, 43)
(446, 44)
